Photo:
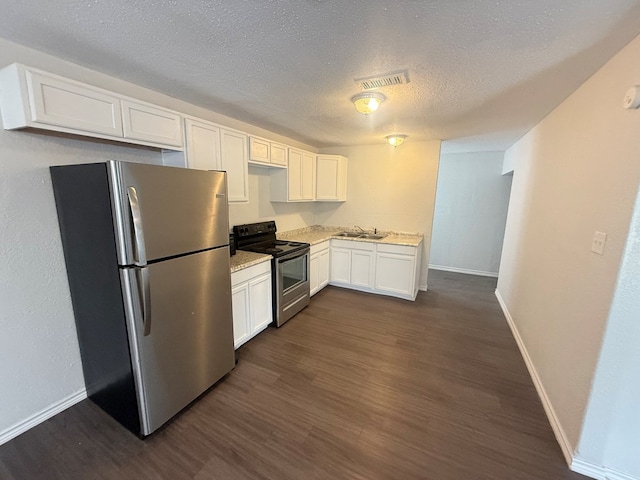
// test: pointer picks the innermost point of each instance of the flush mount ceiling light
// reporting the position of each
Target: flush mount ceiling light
(395, 139)
(367, 102)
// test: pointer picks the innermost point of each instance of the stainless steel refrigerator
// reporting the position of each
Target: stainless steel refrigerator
(147, 254)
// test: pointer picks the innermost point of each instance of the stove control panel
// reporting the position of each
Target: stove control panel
(254, 229)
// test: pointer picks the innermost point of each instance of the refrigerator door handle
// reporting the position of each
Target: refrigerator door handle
(145, 298)
(140, 253)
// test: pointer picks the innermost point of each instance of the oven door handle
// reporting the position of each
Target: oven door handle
(286, 259)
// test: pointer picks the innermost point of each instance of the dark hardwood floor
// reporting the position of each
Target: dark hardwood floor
(356, 386)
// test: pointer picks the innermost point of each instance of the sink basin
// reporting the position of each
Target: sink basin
(367, 236)
(349, 234)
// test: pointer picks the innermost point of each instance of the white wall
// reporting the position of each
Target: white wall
(611, 432)
(508, 166)
(388, 189)
(470, 214)
(39, 358)
(576, 172)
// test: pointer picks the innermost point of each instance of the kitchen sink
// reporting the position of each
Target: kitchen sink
(367, 236)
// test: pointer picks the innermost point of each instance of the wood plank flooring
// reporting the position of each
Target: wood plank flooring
(356, 386)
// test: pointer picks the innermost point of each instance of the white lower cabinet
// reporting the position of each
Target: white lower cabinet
(319, 273)
(251, 298)
(353, 264)
(398, 270)
(376, 267)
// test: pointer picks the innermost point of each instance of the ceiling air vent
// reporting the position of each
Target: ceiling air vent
(395, 78)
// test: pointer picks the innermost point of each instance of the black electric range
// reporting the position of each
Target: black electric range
(290, 267)
(261, 238)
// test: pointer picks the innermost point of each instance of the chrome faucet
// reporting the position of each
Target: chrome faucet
(360, 228)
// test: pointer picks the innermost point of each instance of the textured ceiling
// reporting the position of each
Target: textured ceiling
(482, 72)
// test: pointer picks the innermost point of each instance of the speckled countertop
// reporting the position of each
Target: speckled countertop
(243, 260)
(319, 233)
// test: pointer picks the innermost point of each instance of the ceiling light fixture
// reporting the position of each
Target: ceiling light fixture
(395, 139)
(367, 102)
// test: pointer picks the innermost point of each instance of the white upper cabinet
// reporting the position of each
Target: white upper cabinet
(234, 160)
(331, 178)
(297, 183)
(31, 98)
(267, 153)
(37, 99)
(308, 176)
(152, 124)
(203, 145)
(279, 155)
(259, 150)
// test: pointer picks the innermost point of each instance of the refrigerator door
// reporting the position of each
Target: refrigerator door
(180, 331)
(161, 212)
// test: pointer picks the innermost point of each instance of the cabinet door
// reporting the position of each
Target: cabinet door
(151, 124)
(259, 150)
(323, 269)
(70, 105)
(294, 175)
(340, 265)
(395, 273)
(314, 274)
(308, 176)
(278, 154)
(233, 159)
(362, 266)
(203, 145)
(260, 302)
(331, 178)
(241, 314)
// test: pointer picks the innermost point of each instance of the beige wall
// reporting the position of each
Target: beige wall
(389, 189)
(576, 172)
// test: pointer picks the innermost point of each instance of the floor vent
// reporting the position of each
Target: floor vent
(395, 78)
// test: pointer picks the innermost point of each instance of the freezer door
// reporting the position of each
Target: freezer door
(181, 331)
(161, 212)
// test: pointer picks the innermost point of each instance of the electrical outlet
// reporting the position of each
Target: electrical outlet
(598, 243)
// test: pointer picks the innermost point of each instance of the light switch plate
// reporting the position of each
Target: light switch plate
(598, 243)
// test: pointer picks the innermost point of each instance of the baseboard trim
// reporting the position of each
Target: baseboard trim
(597, 471)
(561, 437)
(423, 288)
(466, 271)
(41, 416)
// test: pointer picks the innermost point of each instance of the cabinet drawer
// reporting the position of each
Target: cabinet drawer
(248, 273)
(318, 247)
(399, 249)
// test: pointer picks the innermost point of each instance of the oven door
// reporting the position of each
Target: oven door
(292, 285)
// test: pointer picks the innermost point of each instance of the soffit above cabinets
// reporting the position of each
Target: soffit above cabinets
(481, 72)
